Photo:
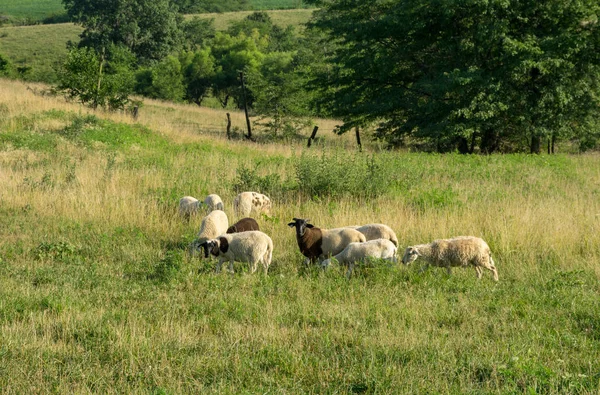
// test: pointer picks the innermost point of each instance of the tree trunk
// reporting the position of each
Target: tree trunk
(358, 138)
(489, 141)
(463, 145)
(553, 142)
(536, 144)
(249, 136)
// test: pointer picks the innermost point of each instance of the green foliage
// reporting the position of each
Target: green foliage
(164, 80)
(6, 67)
(199, 6)
(497, 71)
(198, 73)
(148, 28)
(97, 80)
(197, 32)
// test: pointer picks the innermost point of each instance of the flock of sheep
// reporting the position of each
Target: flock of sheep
(244, 242)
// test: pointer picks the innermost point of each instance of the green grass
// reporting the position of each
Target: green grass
(33, 10)
(38, 48)
(98, 294)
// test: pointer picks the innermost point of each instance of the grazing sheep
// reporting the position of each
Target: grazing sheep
(188, 206)
(355, 252)
(247, 203)
(253, 247)
(213, 225)
(243, 225)
(316, 243)
(377, 231)
(213, 202)
(459, 251)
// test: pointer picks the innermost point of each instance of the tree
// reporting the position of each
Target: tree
(97, 80)
(148, 28)
(198, 73)
(232, 55)
(452, 73)
(6, 67)
(164, 80)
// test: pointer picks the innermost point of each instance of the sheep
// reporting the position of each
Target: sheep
(243, 225)
(213, 225)
(355, 252)
(316, 243)
(377, 231)
(253, 247)
(458, 251)
(188, 206)
(213, 202)
(247, 203)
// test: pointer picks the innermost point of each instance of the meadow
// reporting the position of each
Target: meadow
(99, 294)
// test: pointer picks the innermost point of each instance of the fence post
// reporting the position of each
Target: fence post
(228, 126)
(312, 136)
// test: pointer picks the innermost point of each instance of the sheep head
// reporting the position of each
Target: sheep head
(301, 225)
(410, 255)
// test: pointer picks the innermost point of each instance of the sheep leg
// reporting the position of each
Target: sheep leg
(253, 266)
(424, 267)
(350, 268)
(449, 270)
(218, 267)
(479, 272)
(231, 266)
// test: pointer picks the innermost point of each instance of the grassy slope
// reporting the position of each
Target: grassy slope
(31, 9)
(41, 46)
(97, 294)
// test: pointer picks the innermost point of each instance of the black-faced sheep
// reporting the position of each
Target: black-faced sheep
(356, 252)
(459, 251)
(247, 203)
(252, 247)
(243, 225)
(316, 243)
(213, 225)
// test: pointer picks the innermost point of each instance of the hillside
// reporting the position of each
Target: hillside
(99, 293)
(39, 47)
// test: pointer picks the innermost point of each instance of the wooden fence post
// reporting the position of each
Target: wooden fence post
(228, 126)
(312, 136)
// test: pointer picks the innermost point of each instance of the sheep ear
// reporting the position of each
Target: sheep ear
(292, 224)
(310, 226)
(418, 253)
(224, 244)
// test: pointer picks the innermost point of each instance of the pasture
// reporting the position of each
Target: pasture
(98, 294)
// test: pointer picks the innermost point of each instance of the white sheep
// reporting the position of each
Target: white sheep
(247, 203)
(213, 225)
(356, 252)
(317, 244)
(253, 247)
(213, 202)
(459, 251)
(188, 206)
(377, 231)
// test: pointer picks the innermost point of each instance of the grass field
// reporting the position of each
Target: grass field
(34, 10)
(98, 294)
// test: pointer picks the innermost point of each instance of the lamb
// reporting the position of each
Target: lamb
(243, 225)
(316, 243)
(247, 203)
(253, 247)
(188, 206)
(213, 202)
(355, 252)
(459, 251)
(377, 231)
